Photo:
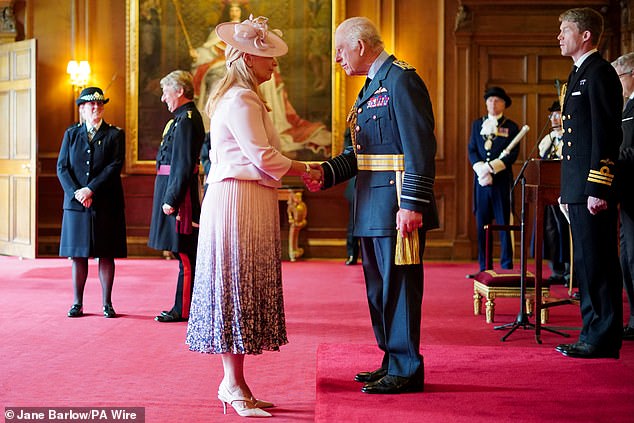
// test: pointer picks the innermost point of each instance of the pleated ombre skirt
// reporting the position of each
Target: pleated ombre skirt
(238, 306)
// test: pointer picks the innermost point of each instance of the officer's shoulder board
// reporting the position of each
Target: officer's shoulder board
(403, 65)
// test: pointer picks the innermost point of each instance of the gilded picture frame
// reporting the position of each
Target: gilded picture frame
(306, 94)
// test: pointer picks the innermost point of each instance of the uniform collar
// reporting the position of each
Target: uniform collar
(97, 126)
(583, 58)
(376, 65)
(183, 107)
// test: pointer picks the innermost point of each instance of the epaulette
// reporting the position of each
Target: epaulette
(403, 65)
(189, 114)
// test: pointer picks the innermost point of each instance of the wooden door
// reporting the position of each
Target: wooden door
(18, 149)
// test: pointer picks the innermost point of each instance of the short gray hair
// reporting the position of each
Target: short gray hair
(361, 29)
(180, 79)
(625, 62)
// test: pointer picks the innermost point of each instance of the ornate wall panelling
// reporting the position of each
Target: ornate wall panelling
(513, 44)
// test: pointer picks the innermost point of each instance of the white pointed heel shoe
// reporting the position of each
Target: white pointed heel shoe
(245, 407)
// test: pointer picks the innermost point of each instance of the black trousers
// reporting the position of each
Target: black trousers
(627, 253)
(395, 295)
(598, 275)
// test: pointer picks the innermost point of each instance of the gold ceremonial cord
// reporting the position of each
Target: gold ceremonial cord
(180, 20)
(351, 120)
(407, 247)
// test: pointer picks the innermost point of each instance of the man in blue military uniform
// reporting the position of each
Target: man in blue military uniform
(591, 115)
(393, 140)
(176, 205)
(493, 179)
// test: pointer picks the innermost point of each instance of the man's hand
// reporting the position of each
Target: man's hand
(596, 205)
(315, 179)
(408, 221)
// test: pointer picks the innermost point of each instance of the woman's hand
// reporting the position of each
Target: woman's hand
(84, 196)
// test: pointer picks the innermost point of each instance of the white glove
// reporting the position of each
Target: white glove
(481, 169)
(544, 145)
(485, 180)
(496, 166)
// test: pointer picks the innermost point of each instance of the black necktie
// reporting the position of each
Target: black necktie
(365, 86)
(572, 74)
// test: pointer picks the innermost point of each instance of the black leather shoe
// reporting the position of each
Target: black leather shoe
(562, 347)
(108, 311)
(556, 280)
(76, 310)
(170, 317)
(351, 260)
(628, 333)
(394, 385)
(373, 376)
(585, 350)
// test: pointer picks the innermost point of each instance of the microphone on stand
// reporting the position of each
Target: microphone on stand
(530, 154)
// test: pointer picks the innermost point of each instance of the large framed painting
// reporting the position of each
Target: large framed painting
(305, 93)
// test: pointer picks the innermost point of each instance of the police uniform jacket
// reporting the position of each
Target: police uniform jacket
(626, 158)
(394, 117)
(506, 131)
(592, 135)
(180, 149)
(97, 165)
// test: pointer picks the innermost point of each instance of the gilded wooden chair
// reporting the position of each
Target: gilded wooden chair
(492, 284)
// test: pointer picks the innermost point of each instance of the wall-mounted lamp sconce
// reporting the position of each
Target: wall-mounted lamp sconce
(79, 73)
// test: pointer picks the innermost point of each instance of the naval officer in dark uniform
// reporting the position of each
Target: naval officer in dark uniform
(591, 115)
(176, 206)
(393, 143)
(89, 169)
(493, 179)
(624, 67)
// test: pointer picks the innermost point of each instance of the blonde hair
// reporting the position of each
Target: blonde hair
(238, 73)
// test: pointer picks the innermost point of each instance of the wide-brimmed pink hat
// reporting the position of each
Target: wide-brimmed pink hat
(253, 36)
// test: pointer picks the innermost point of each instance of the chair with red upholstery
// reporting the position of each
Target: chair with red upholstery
(492, 284)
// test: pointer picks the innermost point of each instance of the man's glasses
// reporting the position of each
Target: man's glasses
(629, 72)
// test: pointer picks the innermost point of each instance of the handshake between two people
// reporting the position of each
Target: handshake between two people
(314, 179)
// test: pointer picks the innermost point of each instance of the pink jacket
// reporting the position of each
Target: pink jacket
(244, 142)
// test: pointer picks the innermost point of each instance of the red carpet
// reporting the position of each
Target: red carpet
(47, 359)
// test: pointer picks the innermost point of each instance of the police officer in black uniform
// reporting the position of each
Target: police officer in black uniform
(176, 205)
(89, 169)
(392, 126)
